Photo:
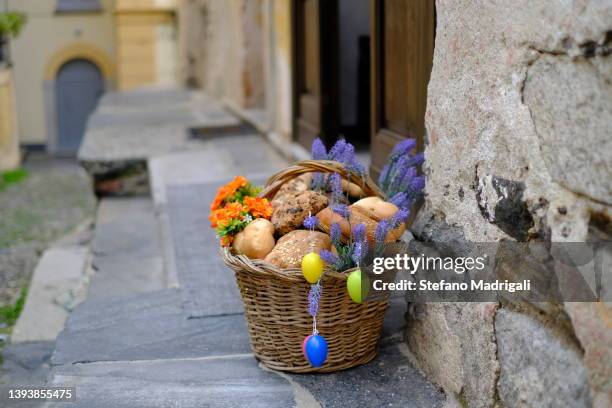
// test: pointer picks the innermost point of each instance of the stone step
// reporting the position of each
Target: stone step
(183, 185)
(143, 351)
(214, 382)
(56, 287)
(126, 249)
(148, 326)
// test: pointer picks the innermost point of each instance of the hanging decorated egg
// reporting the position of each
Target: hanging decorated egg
(312, 267)
(314, 348)
(358, 286)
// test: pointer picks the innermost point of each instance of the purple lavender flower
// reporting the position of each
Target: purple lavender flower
(337, 150)
(357, 254)
(335, 233)
(417, 184)
(403, 147)
(382, 229)
(359, 232)
(311, 222)
(398, 172)
(346, 156)
(329, 257)
(356, 167)
(318, 181)
(399, 199)
(335, 184)
(360, 251)
(318, 150)
(382, 179)
(400, 217)
(342, 210)
(314, 296)
(417, 159)
(404, 179)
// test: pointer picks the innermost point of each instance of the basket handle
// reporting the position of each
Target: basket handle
(275, 182)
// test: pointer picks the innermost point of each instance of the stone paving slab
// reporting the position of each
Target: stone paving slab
(136, 125)
(26, 363)
(181, 168)
(127, 256)
(217, 161)
(55, 288)
(146, 326)
(224, 382)
(390, 380)
(207, 285)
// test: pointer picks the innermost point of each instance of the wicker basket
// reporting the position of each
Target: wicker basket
(275, 301)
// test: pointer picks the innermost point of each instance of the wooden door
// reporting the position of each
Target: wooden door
(402, 33)
(78, 88)
(315, 70)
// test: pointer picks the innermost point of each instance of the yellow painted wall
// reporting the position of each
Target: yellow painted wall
(281, 83)
(146, 47)
(44, 36)
(145, 4)
(9, 145)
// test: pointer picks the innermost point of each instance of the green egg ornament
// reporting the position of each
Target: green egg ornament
(312, 267)
(358, 286)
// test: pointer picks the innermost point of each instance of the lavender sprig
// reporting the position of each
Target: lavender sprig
(314, 296)
(402, 148)
(337, 150)
(311, 222)
(399, 175)
(399, 199)
(318, 150)
(335, 183)
(335, 233)
(329, 257)
(399, 218)
(382, 229)
(342, 210)
(359, 232)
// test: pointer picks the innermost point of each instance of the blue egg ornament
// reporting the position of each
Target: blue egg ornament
(315, 350)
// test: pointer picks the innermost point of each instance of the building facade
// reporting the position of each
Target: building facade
(72, 51)
(511, 103)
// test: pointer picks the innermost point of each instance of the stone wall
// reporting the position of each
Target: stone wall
(221, 49)
(519, 118)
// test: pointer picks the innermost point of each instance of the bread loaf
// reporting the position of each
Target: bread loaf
(291, 248)
(256, 240)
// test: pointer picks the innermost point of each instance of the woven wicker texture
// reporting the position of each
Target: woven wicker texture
(276, 301)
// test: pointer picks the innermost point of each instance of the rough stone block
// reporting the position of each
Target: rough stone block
(592, 324)
(536, 367)
(454, 344)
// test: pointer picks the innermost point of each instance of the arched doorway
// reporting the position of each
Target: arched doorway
(78, 87)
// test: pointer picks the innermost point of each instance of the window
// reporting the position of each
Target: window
(78, 5)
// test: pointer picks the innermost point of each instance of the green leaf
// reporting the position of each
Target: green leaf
(11, 23)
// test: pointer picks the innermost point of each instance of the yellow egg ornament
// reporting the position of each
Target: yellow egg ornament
(312, 267)
(358, 286)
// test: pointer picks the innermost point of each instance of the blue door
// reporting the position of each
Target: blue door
(78, 88)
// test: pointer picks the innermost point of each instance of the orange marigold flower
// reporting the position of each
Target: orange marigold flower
(226, 240)
(233, 210)
(228, 190)
(223, 216)
(258, 207)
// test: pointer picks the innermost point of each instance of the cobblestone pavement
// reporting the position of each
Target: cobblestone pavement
(54, 199)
